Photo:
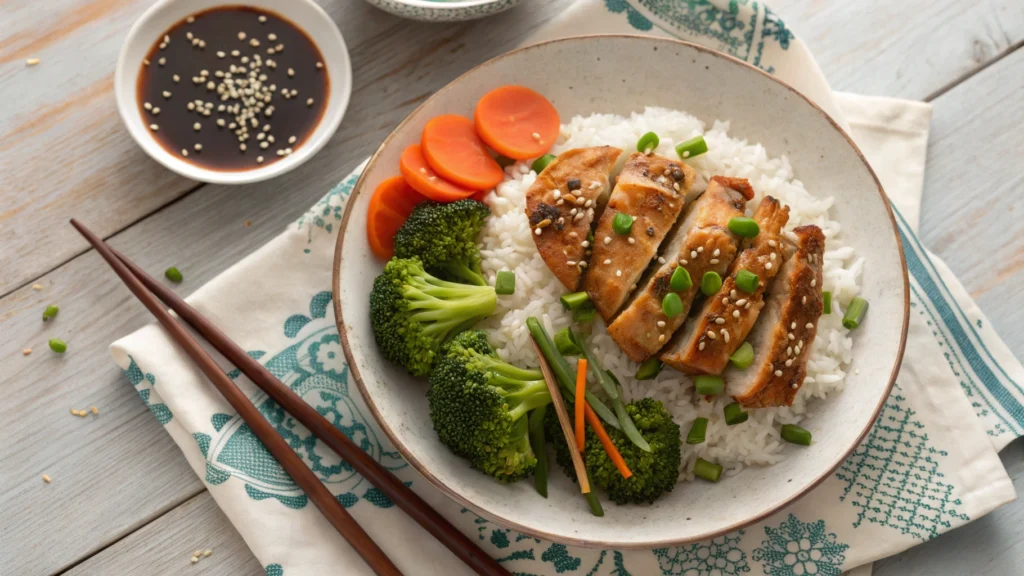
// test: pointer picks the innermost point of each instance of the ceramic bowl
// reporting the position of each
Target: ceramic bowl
(305, 14)
(621, 74)
(443, 10)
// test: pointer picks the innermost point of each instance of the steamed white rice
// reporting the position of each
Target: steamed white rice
(507, 244)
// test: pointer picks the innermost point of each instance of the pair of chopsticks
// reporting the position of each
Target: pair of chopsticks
(151, 293)
(563, 420)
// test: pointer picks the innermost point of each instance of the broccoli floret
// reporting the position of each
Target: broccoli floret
(412, 313)
(654, 472)
(443, 237)
(479, 405)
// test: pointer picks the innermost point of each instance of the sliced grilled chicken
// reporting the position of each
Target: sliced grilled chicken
(650, 189)
(782, 340)
(561, 205)
(642, 328)
(719, 329)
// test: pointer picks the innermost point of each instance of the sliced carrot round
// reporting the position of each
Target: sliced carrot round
(517, 122)
(452, 148)
(391, 204)
(424, 180)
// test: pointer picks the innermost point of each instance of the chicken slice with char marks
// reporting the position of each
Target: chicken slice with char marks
(726, 318)
(561, 205)
(642, 328)
(651, 190)
(782, 340)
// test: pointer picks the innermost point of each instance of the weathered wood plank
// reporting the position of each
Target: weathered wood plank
(974, 188)
(906, 49)
(166, 546)
(120, 470)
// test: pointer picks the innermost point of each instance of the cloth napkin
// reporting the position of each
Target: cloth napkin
(925, 468)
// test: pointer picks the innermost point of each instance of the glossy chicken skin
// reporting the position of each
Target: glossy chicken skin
(789, 323)
(727, 317)
(561, 205)
(643, 328)
(650, 189)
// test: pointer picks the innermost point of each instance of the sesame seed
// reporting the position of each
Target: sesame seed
(607, 239)
(309, 102)
(683, 262)
(693, 254)
(319, 65)
(789, 351)
(292, 139)
(573, 212)
(241, 35)
(792, 325)
(778, 372)
(800, 344)
(94, 410)
(264, 144)
(814, 282)
(772, 243)
(32, 61)
(803, 300)
(46, 478)
(162, 61)
(700, 249)
(735, 313)
(536, 231)
(259, 159)
(197, 126)
(291, 72)
(661, 338)
(167, 94)
(794, 386)
(661, 260)
(607, 260)
(719, 320)
(535, 136)
(254, 43)
(207, 553)
(583, 264)
(701, 345)
(725, 301)
(790, 336)
(195, 559)
(714, 261)
(631, 240)
(585, 244)
(725, 336)
(184, 152)
(618, 273)
(747, 307)
(771, 255)
(732, 294)
(190, 20)
(661, 323)
(154, 127)
(26, 351)
(145, 61)
(147, 106)
(242, 146)
(580, 201)
(809, 325)
(262, 19)
(716, 253)
(711, 335)
(588, 203)
(789, 363)
(767, 265)
(236, 53)
(741, 301)
(570, 262)
(198, 147)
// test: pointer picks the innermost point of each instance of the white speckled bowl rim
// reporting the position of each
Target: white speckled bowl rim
(666, 523)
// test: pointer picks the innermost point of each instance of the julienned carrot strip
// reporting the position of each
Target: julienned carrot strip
(606, 441)
(581, 401)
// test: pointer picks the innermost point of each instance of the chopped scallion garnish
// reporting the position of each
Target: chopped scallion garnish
(574, 300)
(747, 281)
(744, 227)
(174, 275)
(505, 283)
(622, 223)
(708, 384)
(648, 369)
(855, 313)
(734, 414)
(698, 431)
(743, 357)
(707, 470)
(672, 305)
(541, 163)
(566, 344)
(711, 283)
(50, 312)
(796, 435)
(648, 142)
(680, 280)
(693, 147)
(827, 297)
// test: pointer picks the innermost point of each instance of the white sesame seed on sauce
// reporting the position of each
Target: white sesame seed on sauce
(725, 336)
(735, 313)
(198, 147)
(701, 345)
(747, 307)
(725, 301)
(607, 239)
(292, 139)
(661, 259)
(162, 61)
(809, 325)
(661, 323)
(789, 351)
(732, 294)
(242, 146)
(789, 362)
(683, 262)
(583, 264)
(197, 126)
(580, 200)
(241, 35)
(167, 94)
(771, 256)
(31, 61)
(588, 203)
(741, 301)
(145, 61)
(700, 249)
(536, 231)
(319, 65)
(184, 152)
(814, 282)
(266, 145)
(716, 253)
(570, 262)
(711, 335)
(607, 260)
(767, 265)
(631, 240)
(154, 127)
(719, 321)
(618, 273)
(693, 254)
(262, 19)
(772, 243)
(792, 325)
(803, 300)
(147, 105)
(791, 336)
(156, 111)
(259, 159)
(661, 337)
(254, 43)
(585, 244)
(714, 261)
(778, 372)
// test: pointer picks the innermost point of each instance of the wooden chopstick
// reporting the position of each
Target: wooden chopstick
(403, 496)
(275, 444)
(563, 419)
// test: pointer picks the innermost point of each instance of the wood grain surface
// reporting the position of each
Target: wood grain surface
(123, 500)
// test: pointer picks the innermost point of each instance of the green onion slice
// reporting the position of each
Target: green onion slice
(796, 435)
(648, 369)
(58, 346)
(541, 163)
(855, 313)
(827, 297)
(566, 344)
(747, 281)
(708, 384)
(50, 312)
(584, 313)
(693, 147)
(505, 283)
(743, 357)
(734, 414)
(574, 300)
(707, 470)
(173, 274)
(622, 223)
(698, 431)
(672, 305)
(680, 280)
(711, 283)
(744, 227)
(648, 142)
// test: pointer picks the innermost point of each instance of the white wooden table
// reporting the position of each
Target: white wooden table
(124, 501)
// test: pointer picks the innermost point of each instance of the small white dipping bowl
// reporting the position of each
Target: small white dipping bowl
(443, 10)
(305, 14)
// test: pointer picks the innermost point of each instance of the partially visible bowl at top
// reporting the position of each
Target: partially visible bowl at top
(619, 74)
(443, 10)
(311, 22)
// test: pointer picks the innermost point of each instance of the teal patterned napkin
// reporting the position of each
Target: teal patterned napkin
(924, 468)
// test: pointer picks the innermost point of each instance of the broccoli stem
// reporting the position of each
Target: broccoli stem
(471, 274)
(505, 369)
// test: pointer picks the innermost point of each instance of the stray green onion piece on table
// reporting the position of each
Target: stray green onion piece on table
(744, 227)
(566, 344)
(648, 142)
(58, 346)
(50, 312)
(584, 313)
(708, 384)
(743, 357)
(505, 283)
(711, 283)
(734, 414)
(541, 163)
(574, 300)
(827, 297)
(693, 147)
(672, 305)
(649, 369)
(707, 470)
(747, 281)
(680, 280)
(173, 274)
(622, 223)
(796, 435)
(855, 313)
(698, 431)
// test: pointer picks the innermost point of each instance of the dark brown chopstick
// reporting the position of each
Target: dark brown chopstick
(363, 463)
(276, 445)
